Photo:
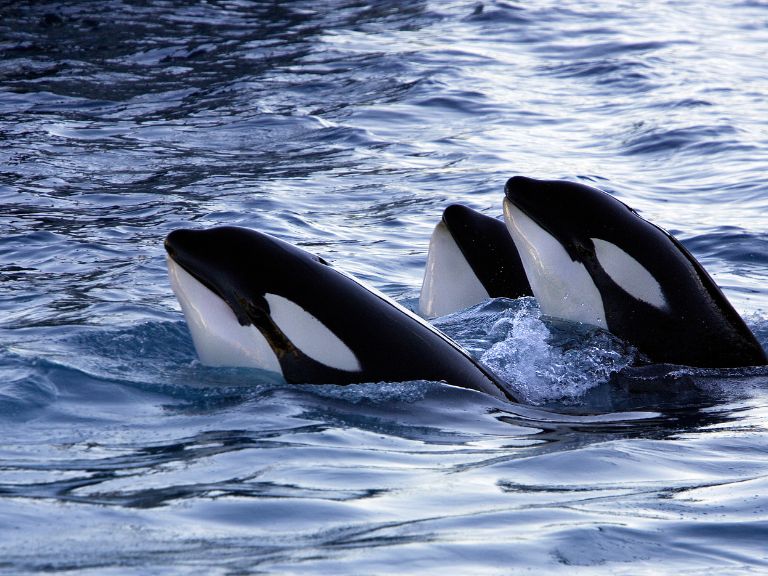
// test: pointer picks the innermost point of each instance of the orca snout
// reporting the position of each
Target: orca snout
(518, 187)
(176, 240)
(456, 215)
(187, 247)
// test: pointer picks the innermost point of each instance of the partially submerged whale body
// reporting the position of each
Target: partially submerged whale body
(590, 258)
(470, 259)
(255, 301)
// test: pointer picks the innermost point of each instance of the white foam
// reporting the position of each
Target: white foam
(540, 372)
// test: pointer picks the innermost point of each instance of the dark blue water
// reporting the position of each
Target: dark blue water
(346, 129)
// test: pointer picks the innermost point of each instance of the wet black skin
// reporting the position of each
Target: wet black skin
(242, 265)
(699, 328)
(489, 251)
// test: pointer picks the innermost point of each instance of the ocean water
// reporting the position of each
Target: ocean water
(345, 129)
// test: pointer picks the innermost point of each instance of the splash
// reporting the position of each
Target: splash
(542, 359)
(758, 323)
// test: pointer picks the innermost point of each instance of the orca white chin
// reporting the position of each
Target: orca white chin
(563, 287)
(449, 282)
(471, 259)
(219, 338)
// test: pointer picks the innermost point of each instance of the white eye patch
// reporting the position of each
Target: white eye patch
(629, 274)
(310, 335)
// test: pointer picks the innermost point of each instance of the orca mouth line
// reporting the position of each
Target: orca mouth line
(517, 199)
(543, 225)
(173, 255)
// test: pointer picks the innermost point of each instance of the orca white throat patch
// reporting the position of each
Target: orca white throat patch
(629, 274)
(219, 338)
(310, 335)
(563, 288)
(450, 284)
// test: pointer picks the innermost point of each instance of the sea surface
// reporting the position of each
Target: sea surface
(346, 127)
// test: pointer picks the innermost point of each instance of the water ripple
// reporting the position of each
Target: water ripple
(347, 129)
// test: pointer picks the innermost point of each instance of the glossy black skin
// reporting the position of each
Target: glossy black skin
(242, 265)
(700, 327)
(489, 251)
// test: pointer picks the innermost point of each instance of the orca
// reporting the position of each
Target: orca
(255, 301)
(590, 258)
(471, 259)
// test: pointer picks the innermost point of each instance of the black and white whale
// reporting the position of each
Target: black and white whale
(590, 258)
(255, 301)
(471, 259)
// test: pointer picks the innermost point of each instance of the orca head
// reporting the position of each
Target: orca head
(566, 234)
(590, 258)
(248, 300)
(471, 258)
(252, 300)
(450, 284)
